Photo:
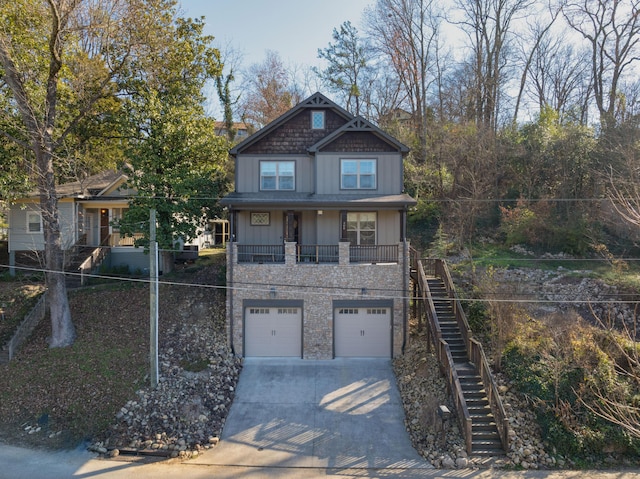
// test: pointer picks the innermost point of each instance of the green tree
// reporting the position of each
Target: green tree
(65, 67)
(176, 162)
(59, 59)
(347, 65)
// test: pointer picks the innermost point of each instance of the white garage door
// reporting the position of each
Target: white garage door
(363, 332)
(273, 331)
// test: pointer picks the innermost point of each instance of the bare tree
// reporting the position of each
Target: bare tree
(407, 32)
(530, 49)
(488, 25)
(611, 28)
(270, 91)
(560, 79)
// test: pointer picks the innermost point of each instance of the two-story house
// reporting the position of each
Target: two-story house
(318, 263)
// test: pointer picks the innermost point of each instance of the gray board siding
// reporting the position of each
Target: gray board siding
(388, 173)
(21, 240)
(248, 172)
(321, 174)
(315, 228)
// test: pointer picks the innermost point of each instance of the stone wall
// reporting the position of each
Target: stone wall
(318, 286)
(27, 325)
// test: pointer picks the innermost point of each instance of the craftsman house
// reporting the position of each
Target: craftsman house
(318, 263)
(87, 209)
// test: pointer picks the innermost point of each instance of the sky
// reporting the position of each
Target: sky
(296, 29)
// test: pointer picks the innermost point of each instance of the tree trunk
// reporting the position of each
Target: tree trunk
(62, 330)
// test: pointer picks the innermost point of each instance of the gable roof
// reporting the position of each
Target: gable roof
(94, 185)
(361, 125)
(315, 101)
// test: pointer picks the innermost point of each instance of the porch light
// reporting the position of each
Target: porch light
(272, 293)
(363, 291)
(319, 212)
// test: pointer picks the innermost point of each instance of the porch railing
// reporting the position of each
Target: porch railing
(316, 253)
(373, 253)
(252, 253)
(117, 239)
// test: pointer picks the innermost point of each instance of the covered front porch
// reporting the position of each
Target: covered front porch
(341, 253)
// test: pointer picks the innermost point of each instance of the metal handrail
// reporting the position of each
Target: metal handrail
(373, 253)
(317, 253)
(260, 253)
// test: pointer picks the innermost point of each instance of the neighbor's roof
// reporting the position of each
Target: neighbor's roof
(90, 186)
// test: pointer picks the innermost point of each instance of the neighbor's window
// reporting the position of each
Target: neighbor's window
(277, 175)
(34, 222)
(358, 174)
(361, 228)
(317, 120)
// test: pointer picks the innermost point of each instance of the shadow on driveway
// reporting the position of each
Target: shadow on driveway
(340, 414)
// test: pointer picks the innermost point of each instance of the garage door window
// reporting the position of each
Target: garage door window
(348, 311)
(259, 311)
(377, 311)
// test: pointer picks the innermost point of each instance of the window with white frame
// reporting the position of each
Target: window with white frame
(361, 228)
(34, 222)
(277, 175)
(317, 120)
(358, 174)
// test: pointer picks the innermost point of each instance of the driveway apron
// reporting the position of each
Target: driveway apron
(342, 413)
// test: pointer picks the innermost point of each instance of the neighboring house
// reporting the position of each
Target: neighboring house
(87, 209)
(242, 129)
(318, 264)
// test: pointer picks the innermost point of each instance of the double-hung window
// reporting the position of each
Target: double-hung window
(361, 228)
(358, 174)
(277, 175)
(34, 222)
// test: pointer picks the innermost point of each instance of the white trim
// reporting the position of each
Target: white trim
(29, 223)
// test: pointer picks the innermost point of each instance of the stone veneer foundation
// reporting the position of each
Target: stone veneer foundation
(317, 286)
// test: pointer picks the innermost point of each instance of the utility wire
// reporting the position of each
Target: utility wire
(338, 291)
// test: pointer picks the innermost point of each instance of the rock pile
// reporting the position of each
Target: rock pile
(197, 380)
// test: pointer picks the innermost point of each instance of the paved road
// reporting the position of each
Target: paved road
(290, 419)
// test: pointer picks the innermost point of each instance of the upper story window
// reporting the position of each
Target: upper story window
(317, 120)
(34, 222)
(277, 175)
(358, 174)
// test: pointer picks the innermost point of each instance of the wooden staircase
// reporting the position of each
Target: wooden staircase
(485, 437)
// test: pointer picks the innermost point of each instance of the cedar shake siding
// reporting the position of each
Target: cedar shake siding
(295, 135)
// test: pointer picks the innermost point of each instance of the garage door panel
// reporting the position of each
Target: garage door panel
(362, 332)
(273, 332)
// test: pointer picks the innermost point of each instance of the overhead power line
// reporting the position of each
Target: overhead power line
(335, 291)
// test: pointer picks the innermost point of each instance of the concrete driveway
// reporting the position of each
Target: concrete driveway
(340, 414)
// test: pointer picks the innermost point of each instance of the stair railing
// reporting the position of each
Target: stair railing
(93, 261)
(445, 360)
(476, 356)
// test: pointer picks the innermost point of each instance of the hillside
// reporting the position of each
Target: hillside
(58, 398)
